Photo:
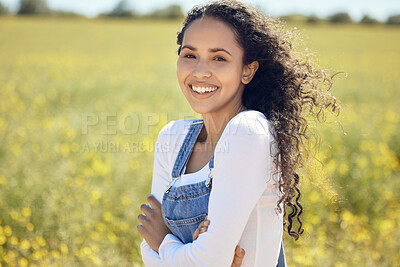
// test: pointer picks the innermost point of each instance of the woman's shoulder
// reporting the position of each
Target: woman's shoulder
(171, 137)
(249, 122)
(175, 130)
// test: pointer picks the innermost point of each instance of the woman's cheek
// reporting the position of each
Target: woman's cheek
(183, 68)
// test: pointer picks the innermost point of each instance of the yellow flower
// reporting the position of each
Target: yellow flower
(40, 100)
(24, 244)
(23, 262)
(12, 255)
(95, 196)
(347, 216)
(3, 180)
(391, 116)
(314, 197)
(343, 168)
(86, 251)
(14, 215)
(26, 212)
(16, 150)
(95, 260)
(55, 254)
(362, 162)
(75, 147)
(366, 145)
(107, 216)
(124, 226)
(64, 149)
(14, 240)
(30, 227)
(95, 236)
(125, 200)
(37, 255)
(64, 248)
(112, 237)
(7, 230)
(315, 219)
(3, 124)
(3, 239)
(42, 242)
(101, 168)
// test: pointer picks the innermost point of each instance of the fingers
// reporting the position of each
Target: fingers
(145, 209)
(196, 234)
(238, 258)
(155, 204)
(239, 251)
(203, 226)
(142, 231)
(205, 223)
(142, 219)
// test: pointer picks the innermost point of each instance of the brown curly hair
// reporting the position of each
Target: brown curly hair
(285, 88)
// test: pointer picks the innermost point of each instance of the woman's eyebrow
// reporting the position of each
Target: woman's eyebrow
(210, 50)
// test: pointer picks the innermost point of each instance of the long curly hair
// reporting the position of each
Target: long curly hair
(285, 88)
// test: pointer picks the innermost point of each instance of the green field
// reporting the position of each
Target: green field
(82, 102)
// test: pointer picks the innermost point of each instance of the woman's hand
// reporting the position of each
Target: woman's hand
(239, 252)
(152, 228)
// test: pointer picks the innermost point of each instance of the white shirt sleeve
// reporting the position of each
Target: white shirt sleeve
(159, 183)
(242, 171)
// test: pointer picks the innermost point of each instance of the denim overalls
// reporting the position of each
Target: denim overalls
(185, 207)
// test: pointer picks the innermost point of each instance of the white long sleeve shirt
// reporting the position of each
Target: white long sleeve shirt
(242, 203)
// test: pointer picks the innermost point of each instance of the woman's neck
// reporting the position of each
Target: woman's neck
(214, 125)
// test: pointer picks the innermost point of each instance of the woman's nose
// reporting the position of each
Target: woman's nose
(201, 70)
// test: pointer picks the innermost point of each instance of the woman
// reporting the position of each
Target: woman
(237, 165)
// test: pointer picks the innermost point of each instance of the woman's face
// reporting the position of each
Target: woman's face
(211, 60)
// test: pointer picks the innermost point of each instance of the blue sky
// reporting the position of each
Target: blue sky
(379, 9)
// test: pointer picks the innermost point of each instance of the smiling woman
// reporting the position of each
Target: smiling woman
(210, 59)
(236, 69)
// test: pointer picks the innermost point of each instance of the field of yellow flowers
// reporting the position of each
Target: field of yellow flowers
(82, 102)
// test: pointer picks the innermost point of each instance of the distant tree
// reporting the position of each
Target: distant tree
(33, 7)
(122, 9)
(297, 18)
(4, 10)
(314, 19)
(62, 13)
(368, 20)
(394, 20)
(341, 17)
(171, 12)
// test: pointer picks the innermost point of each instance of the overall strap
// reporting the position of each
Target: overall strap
(186, 148)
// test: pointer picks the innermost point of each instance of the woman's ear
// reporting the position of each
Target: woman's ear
(249, 71)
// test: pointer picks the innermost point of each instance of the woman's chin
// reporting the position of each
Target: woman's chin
(201, 108)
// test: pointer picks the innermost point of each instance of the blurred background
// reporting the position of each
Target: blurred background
(85, 87)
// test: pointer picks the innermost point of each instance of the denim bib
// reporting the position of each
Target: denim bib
(185, 207)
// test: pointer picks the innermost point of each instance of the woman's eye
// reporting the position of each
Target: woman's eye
(188, 56)
(219, 58)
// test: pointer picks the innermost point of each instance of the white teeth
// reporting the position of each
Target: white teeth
(202, 90)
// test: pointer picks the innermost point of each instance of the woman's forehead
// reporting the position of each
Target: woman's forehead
(210, 31)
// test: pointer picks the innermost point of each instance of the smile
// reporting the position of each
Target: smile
(203, 89)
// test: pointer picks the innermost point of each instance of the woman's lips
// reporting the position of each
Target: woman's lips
(205, 94)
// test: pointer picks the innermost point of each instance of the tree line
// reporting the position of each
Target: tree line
(121, 10)
(124, 10)
(340, 18)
